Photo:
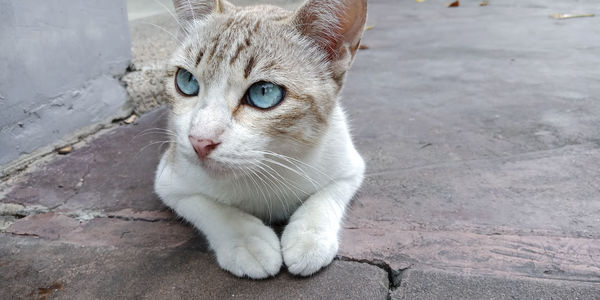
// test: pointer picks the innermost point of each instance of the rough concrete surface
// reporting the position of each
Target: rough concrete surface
(182, 272)
(59, 68)
(480, 128)
(433, 284)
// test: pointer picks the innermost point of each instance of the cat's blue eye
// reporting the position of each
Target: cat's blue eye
(264, 94)
(186, 83)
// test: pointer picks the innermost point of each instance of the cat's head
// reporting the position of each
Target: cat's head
(249, 82)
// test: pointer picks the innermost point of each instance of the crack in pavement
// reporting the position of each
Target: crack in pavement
(394, 276)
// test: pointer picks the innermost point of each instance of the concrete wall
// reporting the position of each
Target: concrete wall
(60, 61)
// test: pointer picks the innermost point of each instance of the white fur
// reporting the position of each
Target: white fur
(243, 244)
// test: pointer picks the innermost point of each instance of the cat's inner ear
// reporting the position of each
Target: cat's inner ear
(335, 25)
(189, 10)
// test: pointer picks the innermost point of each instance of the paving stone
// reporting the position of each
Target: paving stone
(81, 272)
(481, 139)
(105, 230)
(431, 284)
(111, 173)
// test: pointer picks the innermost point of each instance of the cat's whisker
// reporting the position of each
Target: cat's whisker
(235, 177)
(265, 197)
(257, 187)
(289, 183)
(299, 173)
(153, 143)
(301, 162)
(157, 131)
(279, 186)
(270, 186)
(175, 38)
(284, 185)
(288, 158)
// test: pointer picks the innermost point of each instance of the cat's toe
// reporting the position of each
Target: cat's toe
(256, 256)
(306, 252)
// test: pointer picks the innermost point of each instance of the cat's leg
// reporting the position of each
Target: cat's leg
(243, 245)
(310, 240)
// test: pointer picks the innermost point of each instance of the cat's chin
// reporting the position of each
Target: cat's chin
(215, 168)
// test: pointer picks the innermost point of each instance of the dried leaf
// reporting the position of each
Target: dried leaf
(569, 16)
(363, 47)
(65, 150)
(484, 3)
(131, 119)
(369, 27)
(453, 4)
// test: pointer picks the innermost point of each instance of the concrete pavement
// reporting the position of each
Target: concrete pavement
(481, 131)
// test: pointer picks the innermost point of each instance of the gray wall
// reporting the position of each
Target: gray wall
(60, 61)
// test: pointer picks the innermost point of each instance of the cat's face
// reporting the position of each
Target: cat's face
(249, 83)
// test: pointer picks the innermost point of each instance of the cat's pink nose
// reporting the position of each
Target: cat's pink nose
(203, 147)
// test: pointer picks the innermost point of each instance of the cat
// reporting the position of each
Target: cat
(258, 133)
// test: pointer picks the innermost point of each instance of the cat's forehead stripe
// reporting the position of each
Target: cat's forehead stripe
(241, 47)
(199, 57)
(222, 45)
(249, 67)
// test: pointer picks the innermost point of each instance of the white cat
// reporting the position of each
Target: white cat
(258, 134)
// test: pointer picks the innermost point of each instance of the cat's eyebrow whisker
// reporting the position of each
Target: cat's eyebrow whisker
(163, 29)
(170, 12)
(191, 9)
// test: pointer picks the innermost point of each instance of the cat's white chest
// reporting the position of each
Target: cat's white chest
(272, 194)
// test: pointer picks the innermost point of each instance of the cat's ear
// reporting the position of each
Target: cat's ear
(190, 10)
(335, 25)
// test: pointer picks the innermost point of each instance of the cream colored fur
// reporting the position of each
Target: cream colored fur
(294, 162)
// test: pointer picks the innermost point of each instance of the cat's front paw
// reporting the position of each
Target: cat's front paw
(306, 250)
(256, 253)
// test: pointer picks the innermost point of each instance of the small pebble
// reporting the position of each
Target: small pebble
(453, 4)
(65, 150)
(131, 119)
